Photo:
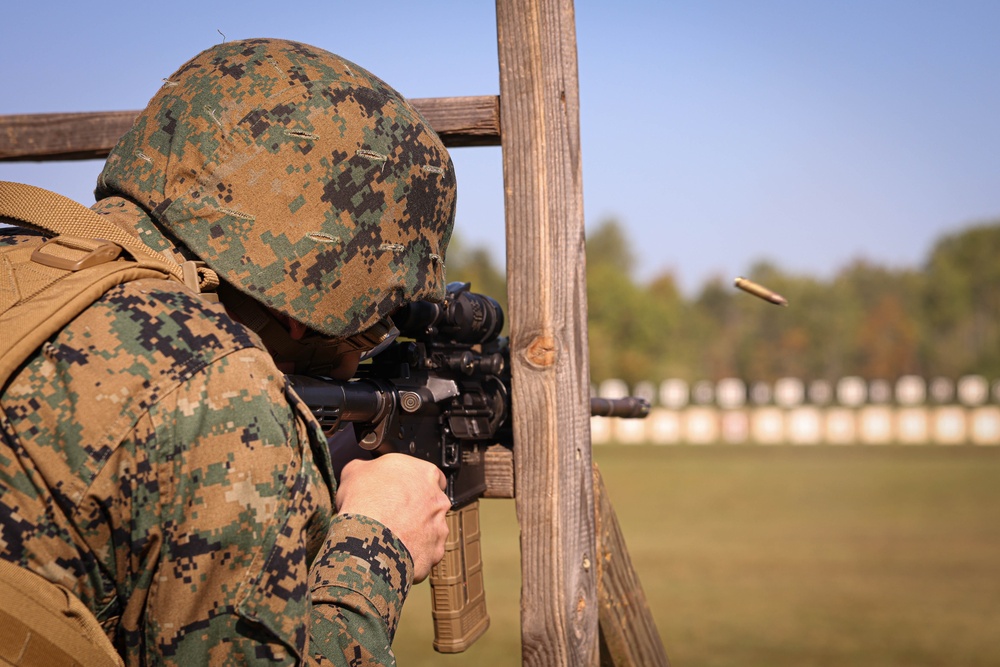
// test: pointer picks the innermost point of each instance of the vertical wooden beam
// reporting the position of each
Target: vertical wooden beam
(540, 136)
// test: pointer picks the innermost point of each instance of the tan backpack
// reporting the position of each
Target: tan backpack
(46, 283)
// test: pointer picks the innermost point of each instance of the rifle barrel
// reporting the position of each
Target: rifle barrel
(629, 407)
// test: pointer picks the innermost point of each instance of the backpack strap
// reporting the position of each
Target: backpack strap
(46, 283)
(45, 210)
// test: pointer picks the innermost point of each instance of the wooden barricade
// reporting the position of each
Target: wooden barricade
(581, 602)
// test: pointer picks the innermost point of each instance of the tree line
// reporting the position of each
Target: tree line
(939, 319)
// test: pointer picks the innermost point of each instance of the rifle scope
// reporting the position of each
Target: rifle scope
(463, 317)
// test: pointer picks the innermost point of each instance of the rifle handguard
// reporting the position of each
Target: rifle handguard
(458, 596)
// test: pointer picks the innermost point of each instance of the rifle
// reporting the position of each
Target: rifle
(441, 392)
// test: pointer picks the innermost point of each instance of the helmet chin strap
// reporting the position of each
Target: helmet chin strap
(313, 354)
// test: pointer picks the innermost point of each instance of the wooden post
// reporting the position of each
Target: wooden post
(540, 136)
(628, 633)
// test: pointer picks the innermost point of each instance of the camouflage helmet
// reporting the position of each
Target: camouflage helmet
(302, 179)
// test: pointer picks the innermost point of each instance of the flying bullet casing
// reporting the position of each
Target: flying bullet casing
(760, 291)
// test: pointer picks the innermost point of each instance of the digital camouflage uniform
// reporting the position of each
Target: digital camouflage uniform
(153, 460)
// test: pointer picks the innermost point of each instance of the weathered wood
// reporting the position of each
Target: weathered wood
(62, 136)
(628, 633)
(499, 469)
(461, 121)
(540, 136)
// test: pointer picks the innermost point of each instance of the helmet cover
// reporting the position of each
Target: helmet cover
(303, 180)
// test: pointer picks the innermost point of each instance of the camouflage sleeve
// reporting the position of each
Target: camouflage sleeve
(358, 586)
(244, 508)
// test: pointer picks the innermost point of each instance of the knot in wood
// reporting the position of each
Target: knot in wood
(541, 352)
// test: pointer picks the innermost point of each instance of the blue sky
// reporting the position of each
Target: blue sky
(719, 132)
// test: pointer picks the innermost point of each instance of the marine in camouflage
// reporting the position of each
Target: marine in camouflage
(153, 459)
(155, 463)
(301, 178)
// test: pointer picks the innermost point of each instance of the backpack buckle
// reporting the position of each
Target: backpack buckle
(73, 253)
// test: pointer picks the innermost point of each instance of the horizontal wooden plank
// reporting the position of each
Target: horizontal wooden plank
(62, 136)
(461, 121)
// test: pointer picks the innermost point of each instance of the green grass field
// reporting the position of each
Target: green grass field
(776, 556)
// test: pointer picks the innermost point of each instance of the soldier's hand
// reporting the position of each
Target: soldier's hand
(406, 495)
